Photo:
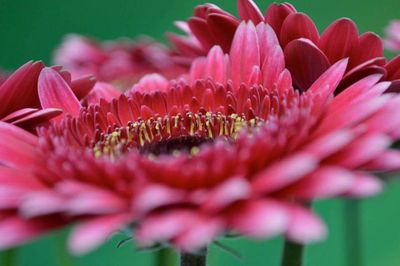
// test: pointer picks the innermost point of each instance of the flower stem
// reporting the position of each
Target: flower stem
(293, 254)
(9, 257)
(165, 257)
(194, 259)
(353, 232)
(63, 256)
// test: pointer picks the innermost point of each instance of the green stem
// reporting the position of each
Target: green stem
(194, 259)
(353, 232)
(63, 256)
(9, 257)
(165, 257)
(293, 254)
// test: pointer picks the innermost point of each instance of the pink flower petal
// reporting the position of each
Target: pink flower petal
(276, 15)
(339, 39)
(283, 172)
(248, 10)
(365, 186)
(304, 226)
(199, 235)
(223, 29)
(305, 62)
(259, 219)
(88, 235)
(245, 53)
(326, 182)
(54, 92)
(20, 89)
(298, 25)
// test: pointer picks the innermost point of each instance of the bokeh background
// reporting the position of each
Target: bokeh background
(31, 29)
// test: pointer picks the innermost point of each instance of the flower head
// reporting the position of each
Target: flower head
(392, 41)
(307, 53)
(121, 62)
(178, 164)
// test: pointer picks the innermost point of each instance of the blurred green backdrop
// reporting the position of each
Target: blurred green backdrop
(32, 29)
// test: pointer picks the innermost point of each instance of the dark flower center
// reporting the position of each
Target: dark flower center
(170, 134)
(171, 145)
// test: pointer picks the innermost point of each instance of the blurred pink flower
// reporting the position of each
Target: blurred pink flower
(392, 40)
(122, 62)
(27, 97)
(233, 148)
(307, 53)
(3, 76)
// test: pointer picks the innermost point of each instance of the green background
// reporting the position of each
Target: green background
(32, 29)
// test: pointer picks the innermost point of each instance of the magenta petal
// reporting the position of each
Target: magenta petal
(223, 29)
(326, 182)
(156, 196)
(393, 68)
(305, 61)
(245, 53)
(339, 39)
(20, 89)
(328, 81)
(267, 40)
(88, 235)
(151, 83)
(16, 231)
(100, 91)
(259, 219)
(216, 66)
(54, 92)
(41, 203)
(199, 28)
(304, 226)
(328, 144)
(283, 173)
(362, 150)
(354, 76)
(276, 15)
(95, 202)
(37, 118)
(18, 114)
(82, 86)
(298, 25)
(387, 161)
(199, 235)
(365, 186)
(248, 10)
(227, 193)
(355, 91)
(162, 227)
(370, 46)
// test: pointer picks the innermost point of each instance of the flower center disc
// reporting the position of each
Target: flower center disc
(170, 134)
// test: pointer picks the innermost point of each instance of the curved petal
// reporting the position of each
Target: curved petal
(20, 89)
(54, 92)
(298, 25)
(306, 62)
(339, 39)
(223, 29)
(88, 235)
(245, 53)
(248, 10)
(276, 15)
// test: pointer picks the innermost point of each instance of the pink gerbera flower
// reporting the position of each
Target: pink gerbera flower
(179, 165)
(392, 41)
(307, 53)
(28, 98)
(121, 62)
